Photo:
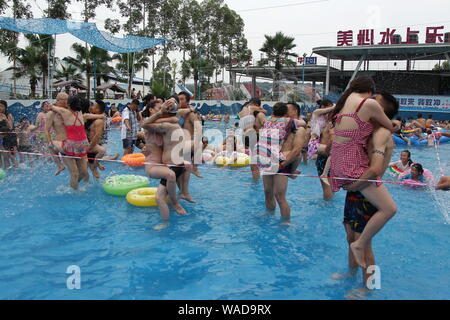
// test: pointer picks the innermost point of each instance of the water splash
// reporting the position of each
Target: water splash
(441, 198)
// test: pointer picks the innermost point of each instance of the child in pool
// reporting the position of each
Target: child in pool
(405, 161)
(416, 174)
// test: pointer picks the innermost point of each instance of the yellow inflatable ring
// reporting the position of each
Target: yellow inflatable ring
(241, 161)
(143, 197)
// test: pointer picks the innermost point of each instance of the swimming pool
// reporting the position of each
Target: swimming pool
(224, 249)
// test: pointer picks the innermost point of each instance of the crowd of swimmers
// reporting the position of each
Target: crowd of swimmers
(350, 142)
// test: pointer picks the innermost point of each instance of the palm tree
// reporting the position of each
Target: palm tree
(84, 61)
(277, 49)
(131, 63)
(42, 43)
(28, 61)
(67, 72)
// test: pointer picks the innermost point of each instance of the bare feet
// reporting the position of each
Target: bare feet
(285, 223)
(161, 226)
(101, 167)
(358, 252)
(357, 294)
(95, 173)
(187, 198)
(268, 213)
(197, 174)
(59, 170)
(339, 276)
(180, 210)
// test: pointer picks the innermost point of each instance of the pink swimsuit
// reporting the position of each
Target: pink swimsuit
(350, 159)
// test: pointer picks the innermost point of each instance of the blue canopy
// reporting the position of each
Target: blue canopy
(85, 31)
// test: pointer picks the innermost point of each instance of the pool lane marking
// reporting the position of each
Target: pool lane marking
(189, 166)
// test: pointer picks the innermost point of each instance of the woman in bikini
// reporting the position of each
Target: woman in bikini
(349, 159)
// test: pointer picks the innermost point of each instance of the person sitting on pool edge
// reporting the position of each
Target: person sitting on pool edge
(358, 211)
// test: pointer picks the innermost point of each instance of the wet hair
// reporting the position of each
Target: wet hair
(296, 106)
(255, 101)
(419, 168)
(359, 85)
(85, 104)
(150, 105)
(186, 95)
(419, 115)
(280, 109)
(136, 102)
(175, 96)
(244, 105)
(74, 103)
(43, 104)
(236, 124)
(325, 103)
(148, 97)
(430, 116)
(205, 138)
(101, 105)
(3, 102)
(391, 104)
(409, 157)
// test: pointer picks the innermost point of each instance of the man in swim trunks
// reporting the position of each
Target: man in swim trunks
(359, 211)
(158, 151)
(97, 138)
(54, 123)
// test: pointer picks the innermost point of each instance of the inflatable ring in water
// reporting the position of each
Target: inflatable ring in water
(142, 197)
(417, 184)
(2, 174)
(134, 159)
(122, 184)
(116, 120)
(395, 170)
(242, 160)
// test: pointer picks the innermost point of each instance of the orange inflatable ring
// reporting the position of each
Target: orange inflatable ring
(134, 159)
(116, 120)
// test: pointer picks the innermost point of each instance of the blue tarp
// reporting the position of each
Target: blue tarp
(85, 31)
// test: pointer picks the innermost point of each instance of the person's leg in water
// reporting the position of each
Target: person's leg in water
(269, 195)
(83, 174)
(184, 184)
(98, 152)
(326, 170)
(55, 149)
(321, 163)
(161, 194)
(361, 293)
(352, 264)
(381, 199)
(163, 172)
(12, 156)
(74, 173)
(280, 183)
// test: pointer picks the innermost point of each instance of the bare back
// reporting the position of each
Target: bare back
(55, 121)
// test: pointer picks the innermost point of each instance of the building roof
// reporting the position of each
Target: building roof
(428, 51)
(312, 72)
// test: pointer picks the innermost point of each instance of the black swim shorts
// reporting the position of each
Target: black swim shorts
(178, 172)
(357, 211)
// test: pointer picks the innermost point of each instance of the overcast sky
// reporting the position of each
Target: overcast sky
(313, 23)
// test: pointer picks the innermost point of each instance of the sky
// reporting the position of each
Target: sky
(313, 23)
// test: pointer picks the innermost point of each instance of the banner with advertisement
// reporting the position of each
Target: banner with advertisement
(424, 103)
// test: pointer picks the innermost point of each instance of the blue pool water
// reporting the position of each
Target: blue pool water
(224, 248)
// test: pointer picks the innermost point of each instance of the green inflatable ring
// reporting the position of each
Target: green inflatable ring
(122, 184)
(2, 174)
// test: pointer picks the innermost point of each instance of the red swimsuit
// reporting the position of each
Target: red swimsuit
(76, 143)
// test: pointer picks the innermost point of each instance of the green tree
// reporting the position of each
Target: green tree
(445, 66)
(57, 9)
(66, 72)
(278, 50)
(29, 65)
(130, 64)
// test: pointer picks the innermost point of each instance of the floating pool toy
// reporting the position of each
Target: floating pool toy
(395, 170)
(416, 142)
(142, 197)
(242, 160)
(2, 174)
(417, 184)
(116, 120)
(122, 184)
(134, 159)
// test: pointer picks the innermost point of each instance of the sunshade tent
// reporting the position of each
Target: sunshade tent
(111, 86)
(70, 83)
